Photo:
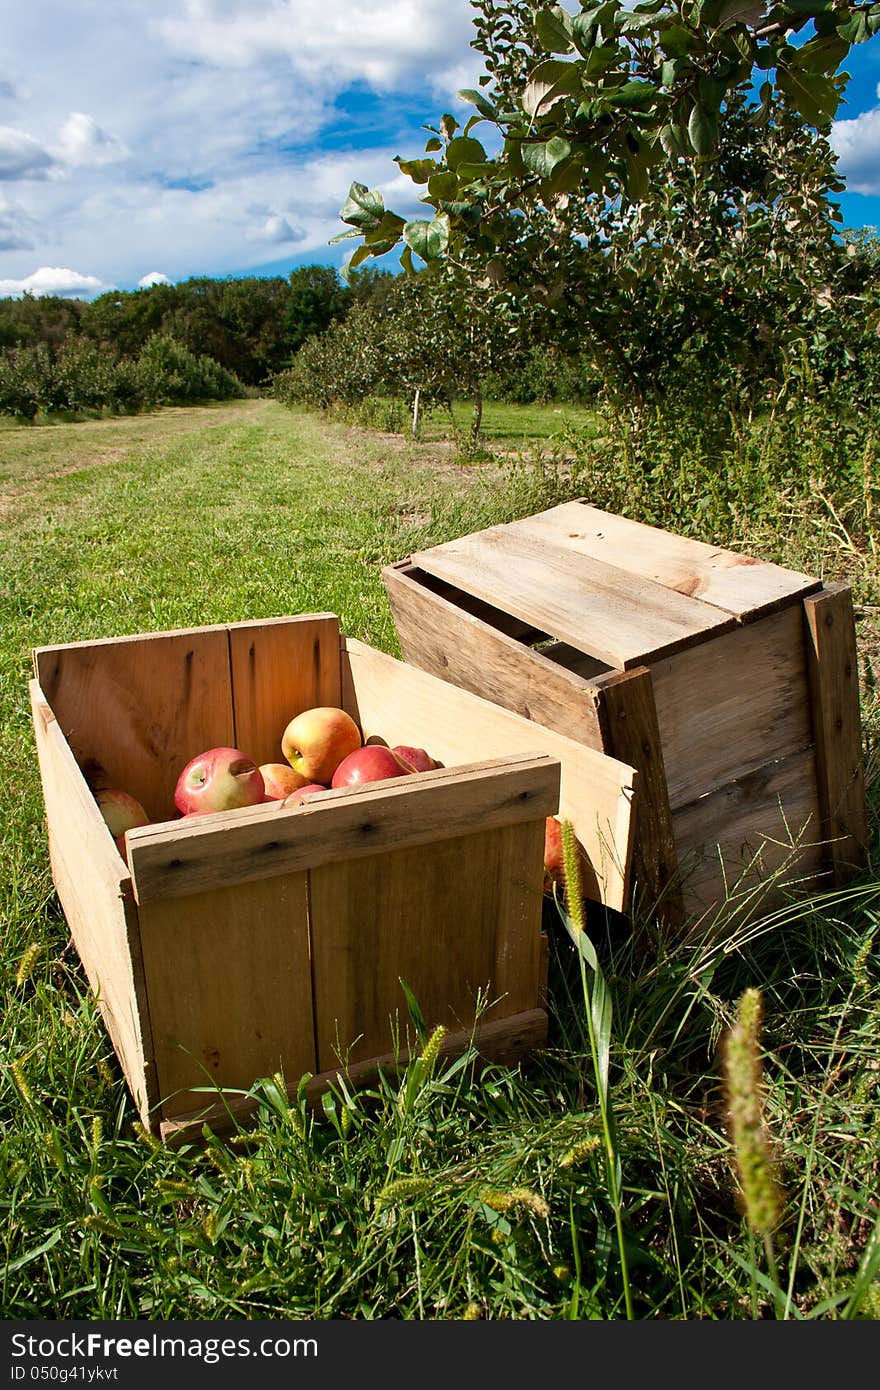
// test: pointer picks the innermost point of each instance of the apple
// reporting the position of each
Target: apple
(218, 780)
(280, 779)
(316, 741)
(302, 793)
(371, 763)
(416, 757)
(554, 860)
(121, 812)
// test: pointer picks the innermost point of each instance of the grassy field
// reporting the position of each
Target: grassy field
(455, 1195)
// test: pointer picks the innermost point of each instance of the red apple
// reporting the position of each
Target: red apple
(218, 780)
(419, 760)
(372, 763)
(316, 740)
(302, 793)
(280, 779)
(121, 812)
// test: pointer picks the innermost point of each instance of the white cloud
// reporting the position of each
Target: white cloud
(856, 143)
(155, 277)
(54, 280)
(22, 157)
(274, 229)
(82, 141)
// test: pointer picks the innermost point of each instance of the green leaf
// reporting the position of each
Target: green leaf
(363, 207)
(433, 145)
(551, 81)
(813, 95)
(703, 130)
(553, 27)
(855, 29)
(419, 170)
(673, 142)
(464, 150)
(543, 158)
(413, 1007)
(584, 34)
(634, 94)
(443, 184)
(482, 103)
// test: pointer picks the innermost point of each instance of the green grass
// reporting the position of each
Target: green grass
(447, 1194)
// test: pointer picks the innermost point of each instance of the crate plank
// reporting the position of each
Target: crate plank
(834, 691)
(398, 703)
(737, 584)
(763, 829)
(456, 645)
(136, 709)
(199, 853)
(723, 705)
(620, 618)
(94, 889)
(280, 666)
(458, 921)
(230, 989)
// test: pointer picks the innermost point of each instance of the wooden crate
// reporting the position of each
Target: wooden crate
(232, 946)
(730, 684)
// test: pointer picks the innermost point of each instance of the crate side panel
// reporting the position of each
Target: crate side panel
(738, 584)
(732, 704)
(136, 709)
(454, 920)
(438, 636)
(763, 829)
(279, 668)
(402, 704)
(94, 890)
(230, 991)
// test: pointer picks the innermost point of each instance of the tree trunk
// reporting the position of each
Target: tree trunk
(415, 415)
(477, 421)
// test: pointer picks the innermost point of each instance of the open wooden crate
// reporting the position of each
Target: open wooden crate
(729, 683)
(236, 945)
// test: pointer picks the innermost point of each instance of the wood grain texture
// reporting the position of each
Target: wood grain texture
(279, 667)
(506, 1040)
(94, 889)
(736, 584)
(457, 920)
(612, 614)
(229, 982)
(628, 717)
(199, 853)
(401, 704)
(834, 695)
(439, 636)
(727, 706)
(134, 710)
(761, 830)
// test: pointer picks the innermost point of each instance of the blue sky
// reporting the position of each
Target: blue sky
(149, 139)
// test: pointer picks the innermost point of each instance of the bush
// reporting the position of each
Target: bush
(169, 374)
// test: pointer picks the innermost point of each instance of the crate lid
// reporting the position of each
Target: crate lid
(625, 592)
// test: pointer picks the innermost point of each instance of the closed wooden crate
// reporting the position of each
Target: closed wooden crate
(729, 683)
(232, 946)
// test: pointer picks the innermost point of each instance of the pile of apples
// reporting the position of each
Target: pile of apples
(323, 748)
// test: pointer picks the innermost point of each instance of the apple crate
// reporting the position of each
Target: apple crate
(235, 945)
(730, 684)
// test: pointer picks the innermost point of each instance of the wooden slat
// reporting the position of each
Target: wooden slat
(442, 638)
(280, 666)
(629, 722)
(457, 920)
(834, 693)
(136, 709)
(618, 617)
(94, 889)
(401, 704)
(736, 584)
(764, 828)
(229, 981)
(724, 708)
(505, 1040)
(199, 853)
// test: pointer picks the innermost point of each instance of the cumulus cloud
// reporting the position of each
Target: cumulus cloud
(274, 229)
(82, 141)
(22, 157)
(17, 230)
(381, 43)
(54, 280)
(155, 277)
(856, 143)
